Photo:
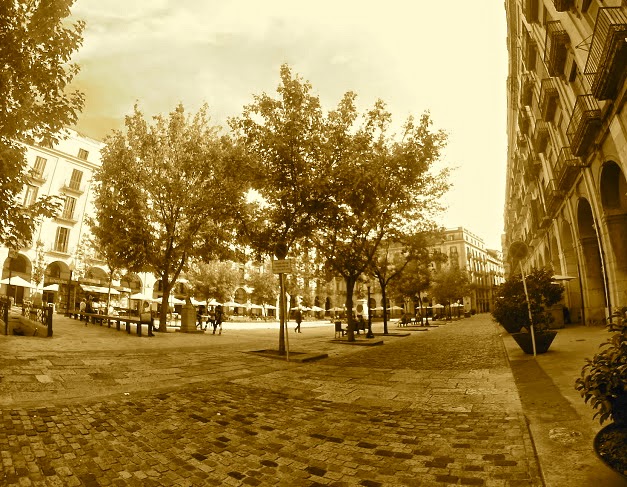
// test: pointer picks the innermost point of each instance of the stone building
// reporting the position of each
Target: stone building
(566, 194)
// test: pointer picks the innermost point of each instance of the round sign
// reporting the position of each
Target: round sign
(518, 250)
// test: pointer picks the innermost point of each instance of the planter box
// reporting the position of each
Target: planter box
(543, 341)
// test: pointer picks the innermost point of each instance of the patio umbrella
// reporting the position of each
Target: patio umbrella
(17, 281)
(213, 302)
(51, 287)
(559, 277)
(316, 308)
(438, 305)
(395, 308)
(269, 306)
(233, 304)
(142, 297)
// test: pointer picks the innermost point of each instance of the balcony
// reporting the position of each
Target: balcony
(530, 10)
(74, 187)
(562, 5)
(530, 51)
(523, 123)
(584, 124)
(557, 41)
(37, 178)
(567, 168)
(526, 92)
(533, 165)
(540, 136)
(605, 67)
(548, 99)
(553, 198)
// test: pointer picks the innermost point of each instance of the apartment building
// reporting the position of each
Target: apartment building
(484, 266)
(566, 194)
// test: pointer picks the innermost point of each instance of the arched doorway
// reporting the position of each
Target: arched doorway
(593, 271)
(572, 287)
(14, 267)
(614, 201)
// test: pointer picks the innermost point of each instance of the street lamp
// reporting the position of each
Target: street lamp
(69, 289)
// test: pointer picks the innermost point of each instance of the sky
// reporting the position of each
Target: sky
(445, 57)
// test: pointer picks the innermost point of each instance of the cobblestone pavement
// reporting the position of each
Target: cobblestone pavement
(103, 408)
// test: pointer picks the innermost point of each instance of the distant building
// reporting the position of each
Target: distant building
(567, 152)
(484, 266)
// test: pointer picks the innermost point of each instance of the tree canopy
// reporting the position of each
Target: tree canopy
(164, 190)
(35, 70)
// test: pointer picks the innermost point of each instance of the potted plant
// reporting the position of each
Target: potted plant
(603, 384)
(511, 309)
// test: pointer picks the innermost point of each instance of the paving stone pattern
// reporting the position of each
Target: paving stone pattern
(432, 409)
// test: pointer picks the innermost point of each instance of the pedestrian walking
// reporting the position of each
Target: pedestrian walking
(298, 317)
(82, 307)
(217, 322)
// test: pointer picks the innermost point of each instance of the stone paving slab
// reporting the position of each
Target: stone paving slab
(95, 407)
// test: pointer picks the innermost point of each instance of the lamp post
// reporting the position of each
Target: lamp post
(12, 255)
(69, 289)
(369, 334)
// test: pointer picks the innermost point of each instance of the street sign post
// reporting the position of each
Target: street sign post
(282, 266)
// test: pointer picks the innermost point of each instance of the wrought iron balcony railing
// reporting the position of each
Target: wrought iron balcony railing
(556, 44)
(584, 124)
(606, 67)
(73, 186)
(540, 136)
(526, 91)
(567, 168)
(523, 123)
(549, 98)
(553, 198)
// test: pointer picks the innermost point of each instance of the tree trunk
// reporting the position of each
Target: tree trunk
(282, 306)
(350, 286)
(163, 315)
(385, 312)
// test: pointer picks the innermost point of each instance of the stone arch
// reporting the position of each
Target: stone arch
(18, 266)
(570, 268)
(555, 256)
(97, 274)
(132, 281)
(613, 189)
(592, 263)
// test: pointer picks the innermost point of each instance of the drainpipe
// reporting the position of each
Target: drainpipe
(605, 283)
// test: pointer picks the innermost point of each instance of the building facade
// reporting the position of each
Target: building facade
(566, 194)
(484, 266)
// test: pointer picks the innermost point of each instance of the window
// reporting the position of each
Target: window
(75, 180)
(40, 166)
(68, 208)
(61, 239)
(83, 154)
(30, 196)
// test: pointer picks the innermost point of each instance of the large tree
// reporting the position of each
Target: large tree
(380, 185)
(36, 44)
(283, 137)
(450, 283)
(403, 264)
(166, 189)
(214, 279)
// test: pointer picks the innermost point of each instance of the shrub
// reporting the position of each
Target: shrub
(510, 307)
(603, 381)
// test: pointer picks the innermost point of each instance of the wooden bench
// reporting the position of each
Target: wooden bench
(96, 318)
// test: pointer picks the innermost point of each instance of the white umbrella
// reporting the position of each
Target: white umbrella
(269, 306)
(233, 304)
(51, 287)
(316, 308)
(395, 308)
(142, 297)
(17, 281)
(438, 305)
(213, 302)
(174, 300)
(255, 306)
(456, 305)
(559, 277)
(195, 302)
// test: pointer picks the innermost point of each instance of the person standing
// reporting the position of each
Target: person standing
(82, 308)
(298, 317)
(217, 322)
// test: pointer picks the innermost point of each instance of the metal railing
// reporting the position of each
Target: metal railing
(562, 5)
(39, 314)
(584, 124)
(548, 99)
(605, 66)
(555, 47)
